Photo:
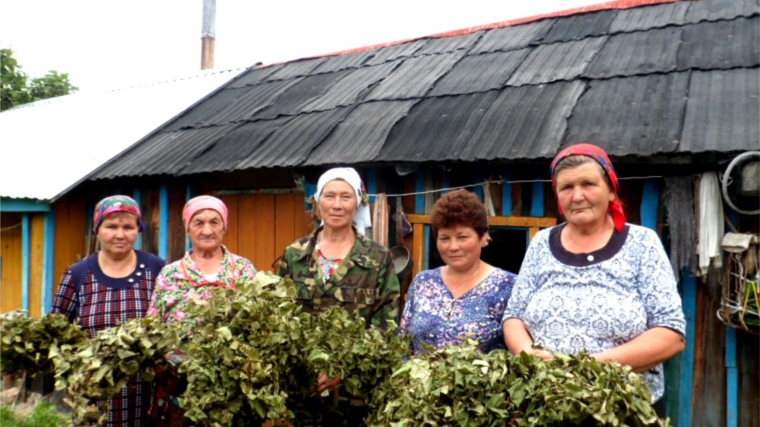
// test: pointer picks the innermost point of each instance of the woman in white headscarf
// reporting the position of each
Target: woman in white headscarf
(336, 265)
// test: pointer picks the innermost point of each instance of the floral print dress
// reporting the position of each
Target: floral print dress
(182, 280)
(435, 318)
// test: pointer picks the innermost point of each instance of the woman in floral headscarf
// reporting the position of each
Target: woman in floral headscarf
(595, 282)
(111, 286)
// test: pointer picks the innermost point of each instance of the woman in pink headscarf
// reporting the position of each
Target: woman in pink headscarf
(596, 282)
(209, 264)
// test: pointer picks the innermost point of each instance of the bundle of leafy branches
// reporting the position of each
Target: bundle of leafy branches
(247, 359)
(362, 357)
(100, 367)
(463, 387)
(28, 344)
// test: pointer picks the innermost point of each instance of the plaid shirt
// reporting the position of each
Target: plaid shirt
(100, 302)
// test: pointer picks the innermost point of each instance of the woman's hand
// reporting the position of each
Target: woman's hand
(646, 350)
(325, 383)
(541, 354)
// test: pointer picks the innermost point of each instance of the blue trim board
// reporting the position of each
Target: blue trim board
(506, 192)
(8, 204)
(163, 224)
(25, 260)
(479, 190)
(137, 196)
(650, 199)
(48, 262)
(445, 182)
(372, 183)
(537, 196)
(419, 207)
(189, 194)
(419, 198)
(732, 379)
(732, 370)
(686, 377)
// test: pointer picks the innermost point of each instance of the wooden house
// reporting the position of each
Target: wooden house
(669, 88)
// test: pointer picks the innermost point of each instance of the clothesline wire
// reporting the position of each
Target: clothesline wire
(10, 228)
(530, 181)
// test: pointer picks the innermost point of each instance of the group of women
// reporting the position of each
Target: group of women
(594, 282)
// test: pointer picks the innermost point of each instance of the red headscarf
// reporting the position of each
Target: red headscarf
(589, 150)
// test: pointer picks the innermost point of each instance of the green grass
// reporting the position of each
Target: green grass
(43, 415)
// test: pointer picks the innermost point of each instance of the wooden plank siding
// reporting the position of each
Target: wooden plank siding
(261, 225)
(176, 224)
(70, 233)
(10, 262)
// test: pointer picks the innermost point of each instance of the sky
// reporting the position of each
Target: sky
(111, 44)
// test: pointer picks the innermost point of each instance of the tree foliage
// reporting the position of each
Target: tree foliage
(17, 88)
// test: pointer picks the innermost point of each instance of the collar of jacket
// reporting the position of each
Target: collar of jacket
(358, 252)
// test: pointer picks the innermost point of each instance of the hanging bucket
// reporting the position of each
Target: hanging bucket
(402, 260)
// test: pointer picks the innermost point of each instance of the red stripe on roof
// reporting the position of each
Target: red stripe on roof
(614, 4)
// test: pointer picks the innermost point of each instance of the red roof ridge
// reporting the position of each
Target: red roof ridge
(613, 4)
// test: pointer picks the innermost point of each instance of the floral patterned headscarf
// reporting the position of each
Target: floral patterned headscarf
(589, 150)
(113, 204)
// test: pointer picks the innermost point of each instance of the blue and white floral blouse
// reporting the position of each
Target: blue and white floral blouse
(434, 317)
(595, 301)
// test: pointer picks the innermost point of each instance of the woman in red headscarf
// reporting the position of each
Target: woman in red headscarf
(595, 282)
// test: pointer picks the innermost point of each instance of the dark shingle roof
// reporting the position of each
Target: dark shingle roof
(667, 79)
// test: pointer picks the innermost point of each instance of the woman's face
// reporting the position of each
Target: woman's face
(206, 230)
(117, 233)
(460, 246)
(337, 204)
(584, 194)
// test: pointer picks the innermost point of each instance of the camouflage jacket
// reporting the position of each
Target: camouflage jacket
(364, 284)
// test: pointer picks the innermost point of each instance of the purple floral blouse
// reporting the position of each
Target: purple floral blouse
(182, 280)
(435, 318)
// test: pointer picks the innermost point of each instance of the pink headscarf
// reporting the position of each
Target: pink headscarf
(200, 203)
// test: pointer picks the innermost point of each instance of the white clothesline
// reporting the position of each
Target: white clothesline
(438, 190)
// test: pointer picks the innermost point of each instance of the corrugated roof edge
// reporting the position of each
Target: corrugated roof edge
(92, 173)
(610, 5)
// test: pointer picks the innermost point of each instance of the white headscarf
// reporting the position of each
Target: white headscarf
(362, 219)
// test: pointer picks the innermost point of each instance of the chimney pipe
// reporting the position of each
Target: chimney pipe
(208, 34)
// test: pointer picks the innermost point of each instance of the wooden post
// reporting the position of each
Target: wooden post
(650, 199)
(422, 232)
(48, 262)
(732, 371)
(506, 192)
(25, 260)
(537, 196)
(445, 182)
(137, 196)
(372, 184)
(686, 376)
(163, 224)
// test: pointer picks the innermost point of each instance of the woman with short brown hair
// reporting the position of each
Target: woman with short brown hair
(465, 298)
